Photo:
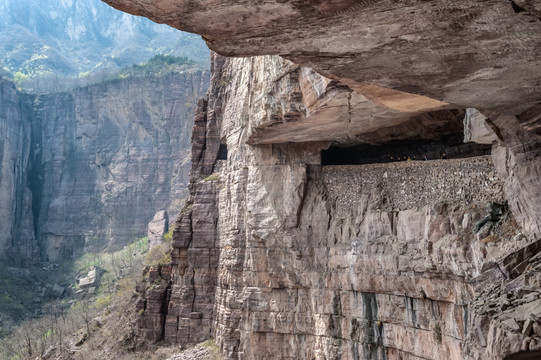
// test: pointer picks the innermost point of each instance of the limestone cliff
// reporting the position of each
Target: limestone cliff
(112, 155)
(407, 264)
(396, 60)
(17, 237)
(87, 169)
(400, 260)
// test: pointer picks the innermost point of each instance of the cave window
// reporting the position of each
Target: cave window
(222, 152)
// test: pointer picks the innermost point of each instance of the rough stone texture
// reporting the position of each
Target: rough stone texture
(481, 54)
(112, 154)
(306, 106)
(87, 169)
(196, 353)
(189, 311)
(477, 129)
(195, 259)
(353, 262)
(504, 316)
(517, 157)
(456, 53)
(307, 268)
(17, 240)
(195, 244)
(413, 184)
(364, 282)
(153, 302)
(157, 228)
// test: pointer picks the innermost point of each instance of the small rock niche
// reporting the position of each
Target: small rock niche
(222, 152)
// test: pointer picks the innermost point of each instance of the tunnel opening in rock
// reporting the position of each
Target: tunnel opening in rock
(449, 146)
(430, 135)
(222, 152)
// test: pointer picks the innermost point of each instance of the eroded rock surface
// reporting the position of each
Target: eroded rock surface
(112, 154)
(354, 262)
(481, 54)
(17, 237)
(157, 228)
(377, 272)
(477, 128)
(87, 169)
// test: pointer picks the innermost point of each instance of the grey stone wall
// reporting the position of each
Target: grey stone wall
(87, 169)
(112, 155)
(414, 184)
(17, 240)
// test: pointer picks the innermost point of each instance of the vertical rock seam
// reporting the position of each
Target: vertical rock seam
(420, 259)
(189, 308)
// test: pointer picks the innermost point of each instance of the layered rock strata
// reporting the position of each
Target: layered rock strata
(182, 310)
(353, 262)
(87, 169)
(394, 59)
(376, 278)
(112, 155)
(17, 238)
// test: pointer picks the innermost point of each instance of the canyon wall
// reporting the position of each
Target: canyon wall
(98, 162)
(346, 264)
(112, 155)
(17, 237)
(408, 260)
(431, 271)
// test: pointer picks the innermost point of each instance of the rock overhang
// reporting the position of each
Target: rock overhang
(481, 54)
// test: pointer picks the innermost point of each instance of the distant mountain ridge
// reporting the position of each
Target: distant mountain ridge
(74, 38)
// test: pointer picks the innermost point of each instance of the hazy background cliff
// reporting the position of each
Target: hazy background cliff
(71, 151)
(17, 240)
(112, 155)
(87, 169)
(96, 110)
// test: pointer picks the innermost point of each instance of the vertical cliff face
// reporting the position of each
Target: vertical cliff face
(112, 155)
(431, 261)
(177, 303)
(87, 169)
(17, 240)
(384, 261)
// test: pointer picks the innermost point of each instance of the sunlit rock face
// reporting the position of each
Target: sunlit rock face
(395, 59)
(276, 256)
(416, 267)
(352, 262)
